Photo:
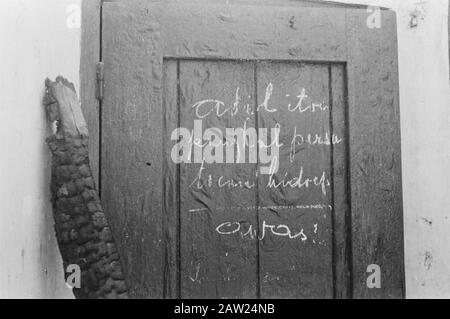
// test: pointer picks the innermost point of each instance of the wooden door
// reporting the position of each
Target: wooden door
(252, 149)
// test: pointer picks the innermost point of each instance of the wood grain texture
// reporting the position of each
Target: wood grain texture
(287, 33)
(90, 55)
(375, 166)
(167, 228)
(132, 144)
(215, 265)
(342, 244)
(171, 196)
(300, 267)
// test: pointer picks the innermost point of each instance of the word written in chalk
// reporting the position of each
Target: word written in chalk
(229, 228)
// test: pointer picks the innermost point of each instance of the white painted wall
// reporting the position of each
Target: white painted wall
(35, 43)
(425, 130)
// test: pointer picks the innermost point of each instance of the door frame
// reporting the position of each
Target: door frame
(91, 54)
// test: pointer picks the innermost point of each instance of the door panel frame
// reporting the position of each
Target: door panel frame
(370, 56)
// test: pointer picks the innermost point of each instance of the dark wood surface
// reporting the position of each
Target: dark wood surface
(375, 166)
(215, 266)
(341, 224)
(161, 58)
(132, 158)
(90, 55)
(296, 268)
(171, 194)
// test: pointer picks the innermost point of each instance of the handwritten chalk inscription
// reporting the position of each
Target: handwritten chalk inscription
(262, 146)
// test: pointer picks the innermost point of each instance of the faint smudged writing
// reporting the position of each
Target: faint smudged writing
(272, 207)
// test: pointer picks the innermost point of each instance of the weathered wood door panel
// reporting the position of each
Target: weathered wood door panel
(307, 269)
(298, 190)
(211, 265)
